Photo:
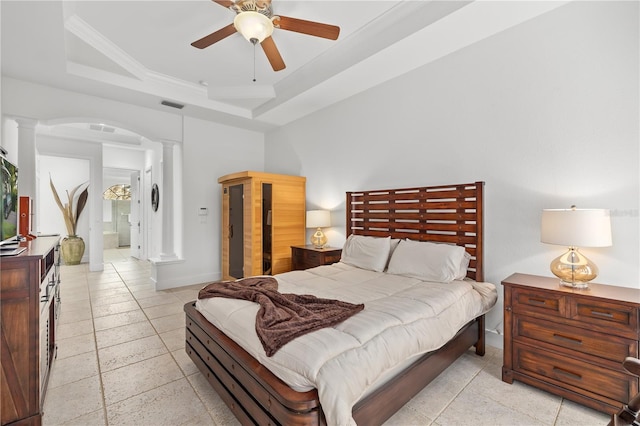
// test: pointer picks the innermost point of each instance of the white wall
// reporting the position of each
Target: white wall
(123, 158)
(210, 150)
(74, 150)
(52, 106)
(66, 173)
(545, 113)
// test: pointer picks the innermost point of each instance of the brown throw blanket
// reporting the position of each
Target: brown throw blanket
(282, 317)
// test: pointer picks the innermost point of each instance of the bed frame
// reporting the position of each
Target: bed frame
(449, 214)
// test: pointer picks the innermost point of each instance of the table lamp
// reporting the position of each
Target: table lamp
(318, 219)
(575, 228)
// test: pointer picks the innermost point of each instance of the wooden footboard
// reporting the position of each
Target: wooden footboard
(252, 392)
(256, 396)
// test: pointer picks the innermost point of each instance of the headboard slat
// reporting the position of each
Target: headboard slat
(446, 214)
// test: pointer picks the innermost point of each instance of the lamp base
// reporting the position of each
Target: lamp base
(318, 239)
(574, 269)
(576, 285)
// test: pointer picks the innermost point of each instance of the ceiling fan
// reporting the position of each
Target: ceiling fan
(255, 21)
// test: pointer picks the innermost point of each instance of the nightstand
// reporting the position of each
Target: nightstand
(571, 342)
(305, 257)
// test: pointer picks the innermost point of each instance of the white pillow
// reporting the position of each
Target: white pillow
(393, 244)
(464, 265)
(427, 261)
(369, 253)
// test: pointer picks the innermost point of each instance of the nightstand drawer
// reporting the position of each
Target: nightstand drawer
(297, 256)
(332, 258)
(525, 300)
(305, 257)
(606, 316)
(613, 348)
(313, 257)
(570, 373)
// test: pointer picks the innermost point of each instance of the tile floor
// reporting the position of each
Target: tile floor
(121, 361)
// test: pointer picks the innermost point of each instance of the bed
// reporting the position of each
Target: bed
(245, 379)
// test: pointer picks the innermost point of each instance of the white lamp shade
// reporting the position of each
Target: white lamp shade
(253, 25)
(576, 227)
(318, 218)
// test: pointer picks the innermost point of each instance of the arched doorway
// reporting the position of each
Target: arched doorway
(122, 157)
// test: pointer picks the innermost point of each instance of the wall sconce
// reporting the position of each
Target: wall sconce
(575, 228)
(318, 219)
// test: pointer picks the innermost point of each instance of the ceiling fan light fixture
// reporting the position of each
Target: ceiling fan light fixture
(253, 25)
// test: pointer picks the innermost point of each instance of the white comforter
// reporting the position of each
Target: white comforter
(403, 317)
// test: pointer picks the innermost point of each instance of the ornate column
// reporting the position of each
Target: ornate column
(27, 163)
(27, 156)
(166, 203)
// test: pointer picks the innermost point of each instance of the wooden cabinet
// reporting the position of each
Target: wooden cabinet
(29, 307)
(305, 257)
(571, 342)
(263, 215)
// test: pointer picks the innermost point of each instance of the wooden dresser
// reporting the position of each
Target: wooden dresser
(29, 309)
(571, 342)
(305, 257)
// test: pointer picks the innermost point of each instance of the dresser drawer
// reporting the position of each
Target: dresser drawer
(613, 348)
(571, 342)
(525, 300)
(606, 316)
(571, 373)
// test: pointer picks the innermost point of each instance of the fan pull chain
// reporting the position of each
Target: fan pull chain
(254, 41)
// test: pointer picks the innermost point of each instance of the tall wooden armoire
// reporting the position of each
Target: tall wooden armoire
(263, 215)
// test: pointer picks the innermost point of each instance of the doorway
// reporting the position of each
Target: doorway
(121, 213)
(236, 231)
(120, 216)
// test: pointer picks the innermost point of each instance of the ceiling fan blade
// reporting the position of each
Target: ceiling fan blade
(214, 37)
(307, 27)
(224, 3)
(273, 55)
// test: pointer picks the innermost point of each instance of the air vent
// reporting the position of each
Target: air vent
(172, 104)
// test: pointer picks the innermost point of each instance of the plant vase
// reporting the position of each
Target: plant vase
(72, 249)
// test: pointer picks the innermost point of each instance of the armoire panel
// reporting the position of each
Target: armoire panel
(268, 234)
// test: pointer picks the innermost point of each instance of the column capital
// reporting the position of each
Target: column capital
(25, 122)
(167, 143)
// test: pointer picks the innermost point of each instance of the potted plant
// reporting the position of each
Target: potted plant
(72, 246)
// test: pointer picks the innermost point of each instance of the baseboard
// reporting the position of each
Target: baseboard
(174, 274)
(493, 338)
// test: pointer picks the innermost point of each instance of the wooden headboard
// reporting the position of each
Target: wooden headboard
(447, 214)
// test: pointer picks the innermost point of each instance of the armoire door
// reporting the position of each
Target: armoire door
(236, 231)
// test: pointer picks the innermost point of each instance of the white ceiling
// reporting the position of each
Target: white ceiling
(139, 51)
